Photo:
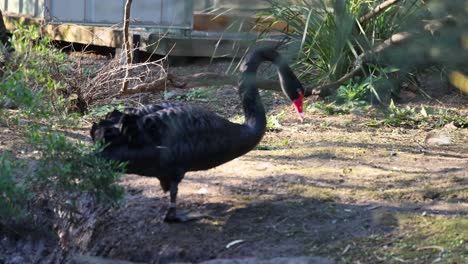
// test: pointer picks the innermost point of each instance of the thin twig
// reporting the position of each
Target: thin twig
(377, 10)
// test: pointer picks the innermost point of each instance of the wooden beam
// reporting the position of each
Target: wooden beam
(94, 35)
(217, 23)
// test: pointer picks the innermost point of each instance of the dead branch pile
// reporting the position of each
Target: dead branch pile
(106, 84)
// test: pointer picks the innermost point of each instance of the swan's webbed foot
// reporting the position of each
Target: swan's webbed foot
(173, 216)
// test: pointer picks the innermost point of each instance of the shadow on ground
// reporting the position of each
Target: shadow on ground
(279, 226)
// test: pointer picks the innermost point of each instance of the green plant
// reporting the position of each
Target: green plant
(65, 173)
(273, 121)
(13, 195)
(405, 116)
(328, 108)
(321, 35)
(68, 170)
(198, 94)
(455, 118)
(353, 92)
(331, 38)
(101, 111)
(420, 117)
(32, 78)
(344, 104)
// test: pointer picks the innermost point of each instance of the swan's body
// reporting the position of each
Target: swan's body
(169, 139)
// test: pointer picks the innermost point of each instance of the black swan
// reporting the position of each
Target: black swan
(168, 139)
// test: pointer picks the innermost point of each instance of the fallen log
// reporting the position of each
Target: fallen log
(207, 78)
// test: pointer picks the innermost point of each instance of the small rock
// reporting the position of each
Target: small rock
(437, 138)
(202, 191)
(450, 125)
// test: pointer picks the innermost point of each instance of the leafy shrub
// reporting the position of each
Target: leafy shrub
(414, 117)
(66, 170)
(329, 34)
(353, 96)
(353, 92)
(13, 195)
(101, 111)
(65, 173)
(32, 78)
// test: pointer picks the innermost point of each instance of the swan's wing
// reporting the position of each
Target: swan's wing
(185, 136)
(153, 108)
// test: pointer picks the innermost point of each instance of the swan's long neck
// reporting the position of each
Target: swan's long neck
(255, 119)
(253, 108)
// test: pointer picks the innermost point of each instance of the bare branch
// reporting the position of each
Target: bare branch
(377, 10)
(366, 58)
(127, 48)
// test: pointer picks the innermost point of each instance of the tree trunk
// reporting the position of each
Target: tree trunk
(3, 31)
(127, 47)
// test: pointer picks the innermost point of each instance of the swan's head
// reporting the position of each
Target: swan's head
(107, 131)
(291, 87)
(297, 103)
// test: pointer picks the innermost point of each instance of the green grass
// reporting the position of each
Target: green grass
(273, 121)
(417, 239)
(312, 192)
(203, 94)
(428, 239)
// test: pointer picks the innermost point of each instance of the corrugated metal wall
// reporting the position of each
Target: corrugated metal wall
(165, 13)
(23, 7)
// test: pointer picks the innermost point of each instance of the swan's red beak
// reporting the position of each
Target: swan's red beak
(298, 105)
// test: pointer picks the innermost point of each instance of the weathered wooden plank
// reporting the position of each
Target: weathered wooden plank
(217, 23)
(101, 36)
(84, 34)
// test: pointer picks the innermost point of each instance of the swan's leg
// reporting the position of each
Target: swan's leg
(172, 215)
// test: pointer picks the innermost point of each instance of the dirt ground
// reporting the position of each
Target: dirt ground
(331, 186)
